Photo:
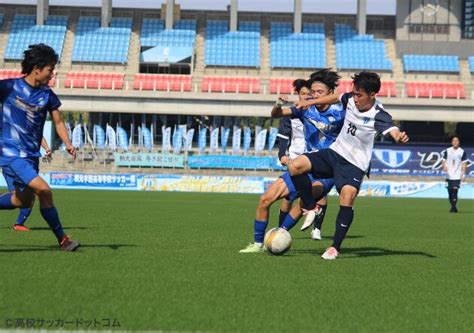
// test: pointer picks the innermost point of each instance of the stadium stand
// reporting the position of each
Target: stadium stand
(430, 63)
(471, 63)
(288, 49)
(94, 80)
(24, 32)
(13, 74)
(387, 89)
(230, 84)
(240, 48)
(162, 82)
(435, 89)
(95, 44)
(153, 33)
(355, 51)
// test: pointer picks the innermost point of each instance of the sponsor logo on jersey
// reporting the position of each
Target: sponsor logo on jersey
(392, 158)
(366, 120)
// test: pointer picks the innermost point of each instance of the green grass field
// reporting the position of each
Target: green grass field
(170, 261)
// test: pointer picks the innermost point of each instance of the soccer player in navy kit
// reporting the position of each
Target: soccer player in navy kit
(347, 160)
(454, 165)
(25, 104)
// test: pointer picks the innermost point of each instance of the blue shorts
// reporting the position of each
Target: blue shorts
(19, 172)
(327, 185)
(326, 163)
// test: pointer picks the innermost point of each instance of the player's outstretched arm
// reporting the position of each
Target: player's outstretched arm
(278, 111)
(399, 136)
(329, 99)
(62, 132)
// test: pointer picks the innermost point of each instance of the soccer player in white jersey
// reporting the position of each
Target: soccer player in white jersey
(454, 165)
(347, 160)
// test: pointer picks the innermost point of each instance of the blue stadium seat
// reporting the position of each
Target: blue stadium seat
(471, 63)
(24, 32)
(96, 44)
(288, 49)
(154, 33)
(239, 48)
(431, 63)
(355, 51)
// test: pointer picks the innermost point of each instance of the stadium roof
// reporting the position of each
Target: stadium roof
(374, 7)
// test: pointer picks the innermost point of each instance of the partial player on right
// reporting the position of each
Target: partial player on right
(454, 165)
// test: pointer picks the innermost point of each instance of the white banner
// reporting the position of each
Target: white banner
(236, 139)
(214, 139)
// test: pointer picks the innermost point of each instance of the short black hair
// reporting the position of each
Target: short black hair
(299, 84)
(367, 81)
(327, 76)
(455, 136)
(40, 55)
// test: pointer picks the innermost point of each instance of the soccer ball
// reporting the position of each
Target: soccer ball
(277, 241)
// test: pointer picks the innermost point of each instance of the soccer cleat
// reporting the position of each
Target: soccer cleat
(330, 254)
(19, 227)
(310, 215)
(453, 210)
(253, 248)
(68, 245)
(316, 234)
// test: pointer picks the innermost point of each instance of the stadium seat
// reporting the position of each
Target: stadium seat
(230, 84)
(435, 89)
(25, 32)
(387, 88)
(355, 51)
(471, 63)
(154, 34)
(283, 39)
(240, 48)
(162, 82)
(13, 74)
(430, 63)
(94, 80)
(95, 44)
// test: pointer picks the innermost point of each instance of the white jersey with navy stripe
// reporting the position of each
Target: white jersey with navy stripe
(454, 158)
(292, 129)
(356, 140)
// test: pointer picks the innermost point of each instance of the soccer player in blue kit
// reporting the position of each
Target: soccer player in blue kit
(321, 128)
(25, 104)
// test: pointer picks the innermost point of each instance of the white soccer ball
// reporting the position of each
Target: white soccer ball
(277, 241)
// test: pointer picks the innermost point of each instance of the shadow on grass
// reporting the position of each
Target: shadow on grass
(37, 248)
(365, 252)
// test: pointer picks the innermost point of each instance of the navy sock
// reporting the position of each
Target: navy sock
(23, 215)
(289, 222)
(318, 222)
(6, 201)
(259, 228)
(304, 188)
(455, 198)
(282, 217)
(52, 218)
(343, 223)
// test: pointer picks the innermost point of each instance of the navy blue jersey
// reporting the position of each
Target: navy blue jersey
(23, 113)
(320, 128)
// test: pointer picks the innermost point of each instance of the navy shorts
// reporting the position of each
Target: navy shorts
(19, 172)
(453, 184)
(327, 185)
(326, 163)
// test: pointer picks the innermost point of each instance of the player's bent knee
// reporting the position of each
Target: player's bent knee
(348, 195)
(265, 201)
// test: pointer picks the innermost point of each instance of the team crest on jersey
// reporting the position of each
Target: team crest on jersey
(392, 158)
(331, 119)
(366, 120)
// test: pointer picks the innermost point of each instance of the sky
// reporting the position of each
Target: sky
(374, 7)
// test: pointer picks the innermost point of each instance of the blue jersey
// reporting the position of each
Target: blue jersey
(22, 116)
(320, 128)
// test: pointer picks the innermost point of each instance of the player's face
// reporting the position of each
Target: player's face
(362, 100)
(319, 89)
(303, 94)
(45, 74)
(455, 142)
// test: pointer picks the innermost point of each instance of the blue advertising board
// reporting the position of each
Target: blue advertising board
(413, 160)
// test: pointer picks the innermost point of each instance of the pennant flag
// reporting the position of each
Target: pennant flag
(247, 138)
(166, 134)
(77, 137)
(98, 136)
(225, 132)
(202, 139)
(260, 139)
(188, 145)
(214, 145)
(236, 138)
(111, 138)
(146, 138)
(272, 136)
(122, 138)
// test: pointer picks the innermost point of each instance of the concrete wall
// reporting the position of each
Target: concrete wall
(429, 12)
(463, 49)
